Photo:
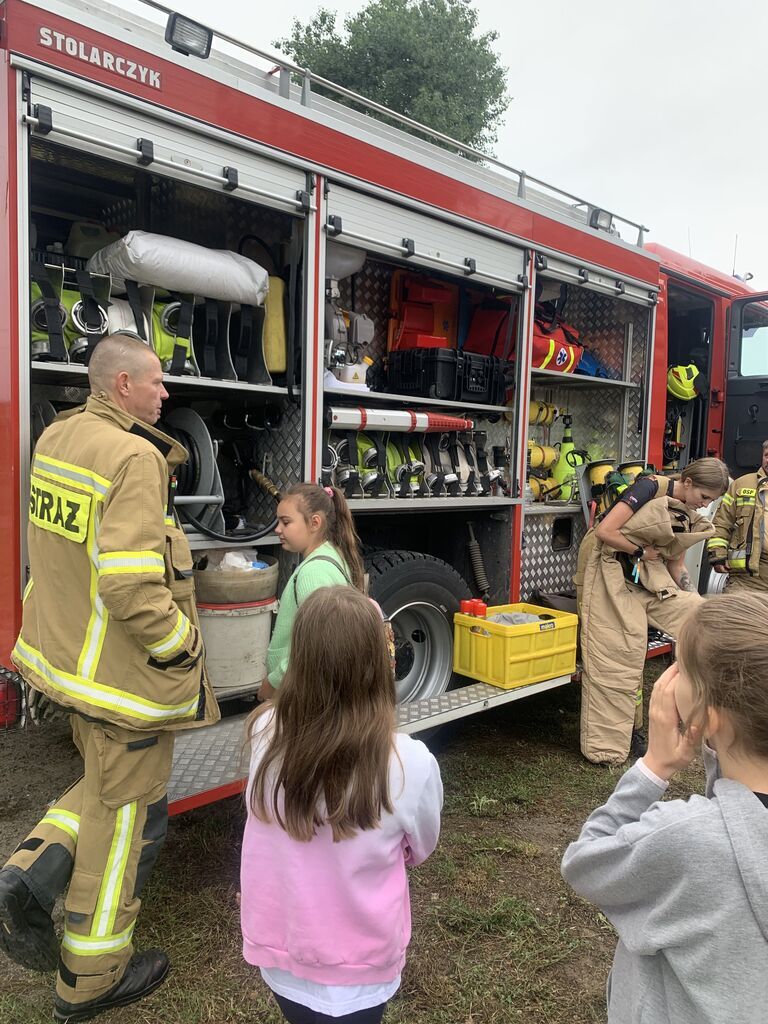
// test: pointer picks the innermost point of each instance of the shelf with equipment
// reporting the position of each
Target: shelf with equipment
(414, 400)
(545, 508)
(564, 380)
(199, 542)
(428, 504)
(66, 374)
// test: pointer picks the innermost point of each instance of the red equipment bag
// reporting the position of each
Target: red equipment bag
(555, 343)
(489, 330)
(423, 312)
(555, 346)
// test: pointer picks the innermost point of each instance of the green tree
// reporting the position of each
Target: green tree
(422, 58)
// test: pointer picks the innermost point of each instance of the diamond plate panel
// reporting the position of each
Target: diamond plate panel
(596, 417)
(368, 292)
(542, 567)
(601, 322)
(209, 758)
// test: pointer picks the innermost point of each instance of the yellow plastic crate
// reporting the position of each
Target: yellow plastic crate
(511, 656)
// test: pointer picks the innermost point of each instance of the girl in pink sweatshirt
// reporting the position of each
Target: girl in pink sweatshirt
(338, 805)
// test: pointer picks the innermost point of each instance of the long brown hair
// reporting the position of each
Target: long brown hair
(722, 649)
(328, 750)
(339, 527)
(708, 473)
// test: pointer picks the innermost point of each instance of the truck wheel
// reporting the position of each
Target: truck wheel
(419, 594)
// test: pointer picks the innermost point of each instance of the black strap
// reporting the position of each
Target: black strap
(184, 331)
(91, 310)
(134, 301)
(293, 353)
(318, 558)
(52, 305)
(256, 364)
(208, 351)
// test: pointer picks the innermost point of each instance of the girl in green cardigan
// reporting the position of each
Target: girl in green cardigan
(316, 523)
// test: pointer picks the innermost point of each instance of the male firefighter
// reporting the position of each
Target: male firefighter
(739, 546)
(110, 633)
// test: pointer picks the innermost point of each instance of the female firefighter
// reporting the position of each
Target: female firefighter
(631, 573)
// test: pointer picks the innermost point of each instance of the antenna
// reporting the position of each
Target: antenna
(689, 241)
(735, 250)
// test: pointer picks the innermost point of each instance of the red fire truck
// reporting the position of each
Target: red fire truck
(373, 230)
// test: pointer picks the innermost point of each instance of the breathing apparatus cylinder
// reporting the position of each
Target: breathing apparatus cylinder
(542, 414)
(598, 473)
(541, 456)
(543, 489)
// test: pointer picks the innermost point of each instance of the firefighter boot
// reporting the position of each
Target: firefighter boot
(145, 972)
(26, 929)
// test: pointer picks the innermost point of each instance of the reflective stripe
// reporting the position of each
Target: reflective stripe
(174, 641)
(90, 654)
(67, 472)
(727, 499)
(97, 694)
(548, 357)
(737, 559)
(113, 562)
(27, 591)
(170, 521)
(65, 820)
(744, 501)
(567, 367)
(717, 542)
(114, 873)
(87, 945)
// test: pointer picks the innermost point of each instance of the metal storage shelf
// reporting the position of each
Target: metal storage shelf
(551, 508)
(199, 542)
(566, 380)
(414, 400)
(66, 373)
(426, 504)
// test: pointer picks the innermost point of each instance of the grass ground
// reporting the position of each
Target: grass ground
(498, 936)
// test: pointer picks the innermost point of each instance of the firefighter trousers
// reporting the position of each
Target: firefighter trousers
(102, 837)
(753, 584)
(614, 645)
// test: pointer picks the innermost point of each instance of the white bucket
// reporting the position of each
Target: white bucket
(236, 637)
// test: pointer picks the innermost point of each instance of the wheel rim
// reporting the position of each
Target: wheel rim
(423, 651)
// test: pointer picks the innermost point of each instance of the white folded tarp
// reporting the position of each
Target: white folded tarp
(177, 266)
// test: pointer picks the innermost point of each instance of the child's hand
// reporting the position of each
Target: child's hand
(669, 750)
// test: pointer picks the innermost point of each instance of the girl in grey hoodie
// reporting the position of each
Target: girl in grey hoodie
(685, 882)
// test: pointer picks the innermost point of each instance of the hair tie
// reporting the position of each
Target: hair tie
(329, 491)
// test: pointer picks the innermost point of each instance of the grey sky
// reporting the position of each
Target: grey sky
(654, 109)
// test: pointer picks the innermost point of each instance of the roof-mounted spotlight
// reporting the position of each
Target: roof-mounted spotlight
(188, 37)
(601, 220)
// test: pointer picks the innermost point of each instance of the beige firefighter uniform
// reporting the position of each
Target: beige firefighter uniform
(615, 614)
(740, 526)
(109, 632)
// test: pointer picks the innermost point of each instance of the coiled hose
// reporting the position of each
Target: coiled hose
(187, 479)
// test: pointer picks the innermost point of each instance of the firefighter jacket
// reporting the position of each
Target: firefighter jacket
(740, 525)
(109, 624)
(666, 524)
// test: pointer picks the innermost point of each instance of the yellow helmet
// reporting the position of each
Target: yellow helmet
(681, 381)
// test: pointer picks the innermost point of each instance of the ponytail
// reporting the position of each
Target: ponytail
(330, 503)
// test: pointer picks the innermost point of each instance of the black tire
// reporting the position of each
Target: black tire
(420, 594)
